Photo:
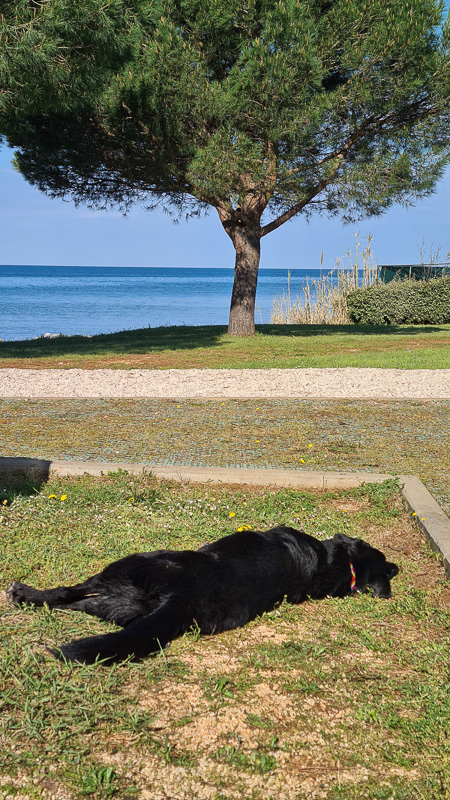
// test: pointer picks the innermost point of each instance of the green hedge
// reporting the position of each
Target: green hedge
(407, 302)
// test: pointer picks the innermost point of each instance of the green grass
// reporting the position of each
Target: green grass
(332, 699)
(400, 347)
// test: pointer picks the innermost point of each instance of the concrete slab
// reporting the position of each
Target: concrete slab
(31, 466)
(428, 514)
(349, 480)
(295, 479)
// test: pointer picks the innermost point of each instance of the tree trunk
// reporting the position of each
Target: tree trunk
(246, 239)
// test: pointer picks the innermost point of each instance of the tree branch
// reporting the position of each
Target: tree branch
(291, 212)
(367, 127)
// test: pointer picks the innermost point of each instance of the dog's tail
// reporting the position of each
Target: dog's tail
(140, 638)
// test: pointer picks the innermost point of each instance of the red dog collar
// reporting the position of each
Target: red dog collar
(353, 583)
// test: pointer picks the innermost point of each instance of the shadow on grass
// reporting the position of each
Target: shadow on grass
(352, 330)
(135, 341)
(156, 340)
(22, 476)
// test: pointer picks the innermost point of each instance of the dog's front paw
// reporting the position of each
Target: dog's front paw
(18, 593)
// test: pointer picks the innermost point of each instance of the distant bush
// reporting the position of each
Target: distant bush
(407, 302)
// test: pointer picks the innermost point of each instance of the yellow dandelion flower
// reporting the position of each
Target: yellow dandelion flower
(310, 445)
(302, 460)
(63, 497)
(231, 514)
(51, 496)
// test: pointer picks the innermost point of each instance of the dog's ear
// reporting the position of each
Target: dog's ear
(392, 569)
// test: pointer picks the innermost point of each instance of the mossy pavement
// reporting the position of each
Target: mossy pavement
(396, 436)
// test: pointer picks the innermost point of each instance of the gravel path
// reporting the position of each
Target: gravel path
(347, 382)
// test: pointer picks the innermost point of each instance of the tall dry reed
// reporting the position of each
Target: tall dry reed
(324, 299)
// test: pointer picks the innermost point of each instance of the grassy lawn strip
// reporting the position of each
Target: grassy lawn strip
(397, 437)
(399, 347)
(331, 699)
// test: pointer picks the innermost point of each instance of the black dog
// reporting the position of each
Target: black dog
(158, 596)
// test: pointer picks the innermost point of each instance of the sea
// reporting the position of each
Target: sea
(35, 300)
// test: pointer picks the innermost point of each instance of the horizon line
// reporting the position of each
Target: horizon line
(138, 266)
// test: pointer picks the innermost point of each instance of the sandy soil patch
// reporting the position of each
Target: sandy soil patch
(347, 382)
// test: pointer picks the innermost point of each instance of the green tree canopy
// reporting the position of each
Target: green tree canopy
(260, 109)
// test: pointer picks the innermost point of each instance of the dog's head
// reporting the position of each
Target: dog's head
(372, 571)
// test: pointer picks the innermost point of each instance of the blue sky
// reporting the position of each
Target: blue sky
(37, 230)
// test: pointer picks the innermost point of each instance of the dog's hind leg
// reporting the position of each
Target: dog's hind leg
(142, 637)
(119, 602)
(60, 597)
(121, 607)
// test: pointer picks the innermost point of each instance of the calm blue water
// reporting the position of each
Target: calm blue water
(89, 300)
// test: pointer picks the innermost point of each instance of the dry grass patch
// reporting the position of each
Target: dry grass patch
(349, 505)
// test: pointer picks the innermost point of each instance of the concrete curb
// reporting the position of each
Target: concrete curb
(428, 514)
(295, 479)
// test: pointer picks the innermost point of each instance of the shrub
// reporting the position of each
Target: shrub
(407, 302)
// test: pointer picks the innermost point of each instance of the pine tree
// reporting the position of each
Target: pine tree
(259, 109)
